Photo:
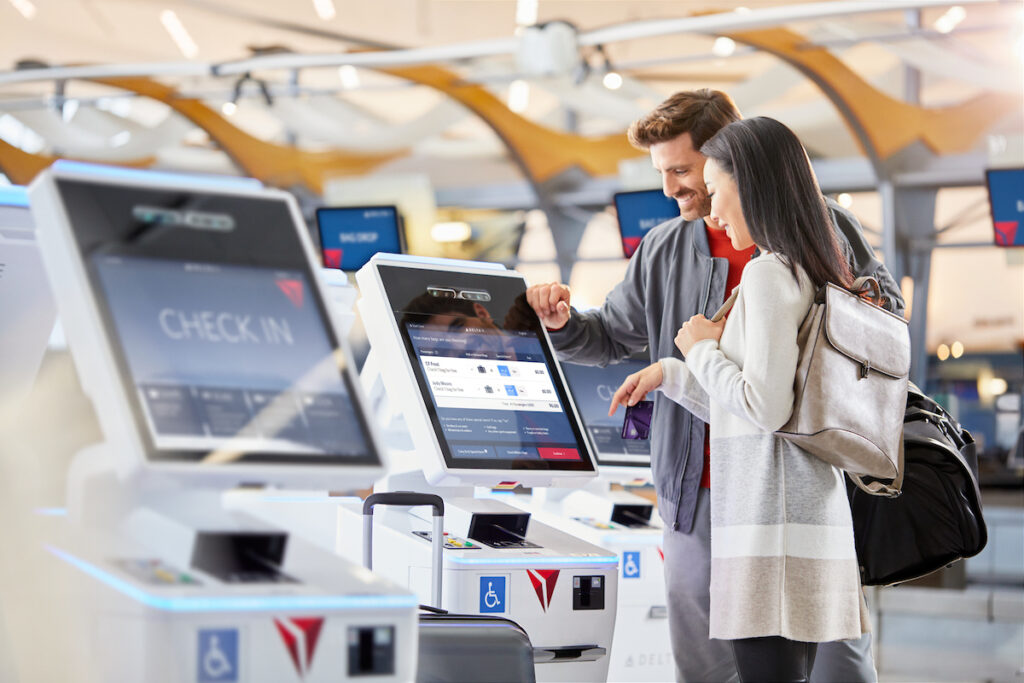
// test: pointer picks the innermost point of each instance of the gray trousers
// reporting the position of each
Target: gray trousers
(700, 659)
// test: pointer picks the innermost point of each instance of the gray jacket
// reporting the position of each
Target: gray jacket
(671, 278)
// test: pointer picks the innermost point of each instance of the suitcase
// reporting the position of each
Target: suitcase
(455, 648)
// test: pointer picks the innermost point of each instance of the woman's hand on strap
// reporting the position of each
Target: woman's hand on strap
(636, 387)
(698, 328)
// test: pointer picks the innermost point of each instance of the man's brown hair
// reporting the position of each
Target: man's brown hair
(701, 113)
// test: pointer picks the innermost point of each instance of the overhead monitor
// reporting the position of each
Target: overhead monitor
(1006, 199)
(194, 307)
(350, 235)
(640, 211)
(592, 389)
(27, 310)
(474, 372)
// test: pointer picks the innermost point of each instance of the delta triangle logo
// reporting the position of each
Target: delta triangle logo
(543, 581)
(293, 290)
(300, 635)
(1006, 232)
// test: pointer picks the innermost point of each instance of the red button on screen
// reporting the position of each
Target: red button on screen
(559, 453)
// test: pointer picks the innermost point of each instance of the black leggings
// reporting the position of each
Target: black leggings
(773, 659)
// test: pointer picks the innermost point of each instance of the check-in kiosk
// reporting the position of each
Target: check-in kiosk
(467, 363)
(604, 513)
(472, 383)
(200, 331)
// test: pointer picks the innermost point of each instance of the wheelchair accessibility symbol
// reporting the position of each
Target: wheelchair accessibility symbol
(492, 594)
(218, 656)
(631, 564)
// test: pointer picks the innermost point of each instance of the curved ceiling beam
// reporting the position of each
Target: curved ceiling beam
(881, 124)
(541, 152)
(273, 164)
(21, 167)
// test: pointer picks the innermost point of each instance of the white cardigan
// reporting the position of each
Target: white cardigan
(783, 561)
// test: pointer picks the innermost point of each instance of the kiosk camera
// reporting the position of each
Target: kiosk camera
(200, 332)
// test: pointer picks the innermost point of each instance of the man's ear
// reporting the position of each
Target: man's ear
(481, 312)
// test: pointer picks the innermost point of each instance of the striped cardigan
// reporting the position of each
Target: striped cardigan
(782, 553)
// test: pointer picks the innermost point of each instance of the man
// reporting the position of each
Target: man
(683, 267)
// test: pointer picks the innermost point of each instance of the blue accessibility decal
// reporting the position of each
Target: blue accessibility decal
(631, 564)
(217, 656)
(492, 594)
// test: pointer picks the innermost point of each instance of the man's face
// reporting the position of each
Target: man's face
(682, 175)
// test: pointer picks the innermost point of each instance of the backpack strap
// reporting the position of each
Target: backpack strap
(877, 488)
(726, 306)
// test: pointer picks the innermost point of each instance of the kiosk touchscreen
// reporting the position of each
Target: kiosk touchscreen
(350, 235)
(26, 305)
(638, 212)
(479, 381)
(200, 331)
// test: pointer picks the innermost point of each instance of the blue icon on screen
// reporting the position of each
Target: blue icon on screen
(492, 594)
(631, 564)
(503, 371)
(510, 389)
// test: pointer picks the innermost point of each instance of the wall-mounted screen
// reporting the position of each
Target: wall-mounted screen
(351, 235)
(592, 389)
(1006, 199)
(485, 371)
(224, 348)
(640, 211)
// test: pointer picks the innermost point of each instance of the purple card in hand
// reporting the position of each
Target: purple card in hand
(637, 424)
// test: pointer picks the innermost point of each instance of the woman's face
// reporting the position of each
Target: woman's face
(725, 205)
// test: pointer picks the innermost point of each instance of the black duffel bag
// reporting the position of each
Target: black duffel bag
(937, 519)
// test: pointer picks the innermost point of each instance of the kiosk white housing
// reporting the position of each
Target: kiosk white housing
(200, 332)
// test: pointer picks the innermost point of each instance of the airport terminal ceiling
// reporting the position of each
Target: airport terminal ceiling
(335, 132)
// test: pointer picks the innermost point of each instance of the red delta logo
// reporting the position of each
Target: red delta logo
(543, 581)
(293, 290)
(1006, 233)
(332, 257)
(300, 635)
(630, 245)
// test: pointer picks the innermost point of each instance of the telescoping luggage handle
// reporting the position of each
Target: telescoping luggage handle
(408, 499)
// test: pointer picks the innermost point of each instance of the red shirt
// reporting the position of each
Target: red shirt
(721, 247)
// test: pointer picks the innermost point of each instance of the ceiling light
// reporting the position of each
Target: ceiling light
(324, 9)
(349, 76)
(455, 231)
(229, 108)
(68, 110)
(27, 9)
(518, 96)
(526, 12)
(942, 352)
(844, 200)
(997, 386)
(723, 47)
(612, 80)
(957, 349)
(951, 19)
(742, 10)
(178, 33)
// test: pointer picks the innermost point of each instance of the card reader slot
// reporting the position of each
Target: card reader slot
(568, 653)
(502, 530)
(241, 557)
(632, 516)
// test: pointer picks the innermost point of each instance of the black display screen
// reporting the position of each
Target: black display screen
(485, 371)
(224, 346)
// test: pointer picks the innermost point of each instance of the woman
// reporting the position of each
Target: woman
(784, 573)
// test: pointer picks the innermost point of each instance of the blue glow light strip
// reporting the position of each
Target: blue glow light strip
(437, 261)
(539, 560)
(269, 603)
(13, 195)
(208, 180)
(52, 512)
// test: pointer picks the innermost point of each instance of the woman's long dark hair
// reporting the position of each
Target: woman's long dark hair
(780, 197)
